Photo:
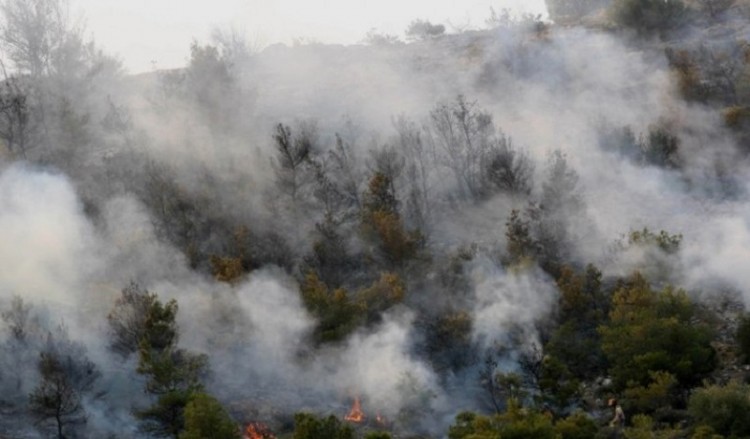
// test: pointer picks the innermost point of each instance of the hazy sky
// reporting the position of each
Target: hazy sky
(148, 33)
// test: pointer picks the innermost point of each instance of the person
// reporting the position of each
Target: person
(618, 420)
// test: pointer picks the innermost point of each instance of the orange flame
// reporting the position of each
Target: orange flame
(257, 430)
(355, 414)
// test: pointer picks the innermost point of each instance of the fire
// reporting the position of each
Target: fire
(257, 430)
(355, 414)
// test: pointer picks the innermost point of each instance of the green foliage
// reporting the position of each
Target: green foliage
(669, 244)
(705, 432)
(577, 426)
(511, 386)
(166, 417)
(127, 320)
(660, 393)
(645, 428)
(558, 387)
(329, 257)
(579, 351)
(546, 379)
(160, 327)
(723, 408)
(470, 425)
(173, 377)
(581, 297)
(172, 374)
(583, 307)
(655, 253)
(159, 334)
(378, 435)
(652, 331)
(173, 369)
(205, 418)
(648, 16)
(338, 315)
(448, 340)
(307, 426)
(382, 223)
(384, 293)
(516, 423)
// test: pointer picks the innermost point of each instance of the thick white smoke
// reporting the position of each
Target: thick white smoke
(547, 91)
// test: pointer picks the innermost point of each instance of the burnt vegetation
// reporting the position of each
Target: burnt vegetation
(434, 224)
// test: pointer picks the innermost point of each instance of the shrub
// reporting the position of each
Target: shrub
(723, 408)
(206, 418)
(652, 331)
(577, 426)
(307, 426)
(648, 16)
(423, 29)
(566, 11)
